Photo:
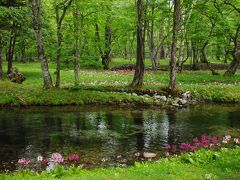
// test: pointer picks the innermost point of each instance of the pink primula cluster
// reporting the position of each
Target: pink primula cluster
(73, 158)
(57, 158)
(23, 161)
(202, 142)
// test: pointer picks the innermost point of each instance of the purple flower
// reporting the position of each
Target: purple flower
(57, 158)
(23, 161)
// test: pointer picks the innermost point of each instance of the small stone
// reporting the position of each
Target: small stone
(134, 94)
(187, 95)
(149, 155)
(183, 101)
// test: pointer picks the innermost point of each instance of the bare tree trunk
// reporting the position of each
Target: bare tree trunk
(77, 51)
(139, 70)
(235, 54)
(47, 80)
(173, 64)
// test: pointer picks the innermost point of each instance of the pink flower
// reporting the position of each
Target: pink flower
(57, 158)
(74, 157)
(168, 146)
(23, 161)
(174, 148)
(214, 139)
(195, 140)
(45, 160)
(167, 154)
(204, 137)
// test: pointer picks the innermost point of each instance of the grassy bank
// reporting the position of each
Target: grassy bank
(97, 87)
(203, 164)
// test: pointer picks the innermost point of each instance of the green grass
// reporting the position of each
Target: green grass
(224, 164)
(202, 84)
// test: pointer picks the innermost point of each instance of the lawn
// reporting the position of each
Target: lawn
(97, 86)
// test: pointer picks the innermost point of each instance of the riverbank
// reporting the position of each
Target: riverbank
(203, 164)
(111, 87)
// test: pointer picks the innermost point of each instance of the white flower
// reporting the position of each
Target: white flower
(236, 141)
(39, 158)
(208, 176)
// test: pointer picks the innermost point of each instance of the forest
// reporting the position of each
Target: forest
(146, 61)
(92, 34)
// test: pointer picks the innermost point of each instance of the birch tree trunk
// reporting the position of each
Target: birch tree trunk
(47, 80)
(173, 63)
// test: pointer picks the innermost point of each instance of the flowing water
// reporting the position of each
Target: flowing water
(106, 136)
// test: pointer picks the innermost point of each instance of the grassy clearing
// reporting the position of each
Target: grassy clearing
(203, 164)
(202, 84)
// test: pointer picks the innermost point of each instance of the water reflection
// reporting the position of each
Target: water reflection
(102, 135)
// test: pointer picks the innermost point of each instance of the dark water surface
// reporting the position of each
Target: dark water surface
(106, 136)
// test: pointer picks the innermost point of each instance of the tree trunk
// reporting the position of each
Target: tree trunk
(195, 65)
(204, 58)
(106, 57)
(97, 40)
(139, 70)
(77, 51)
(235, 54)
(59, 20)
(47, 80)
(1, 58)
(59, 43)
(151, 40)
(168, 54)
(10, 51)
(173, 64)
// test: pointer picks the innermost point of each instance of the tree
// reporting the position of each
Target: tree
(1, 57)
(59, 19)
(76, 44)
(173, 62)
(139, 70)
(36, 9)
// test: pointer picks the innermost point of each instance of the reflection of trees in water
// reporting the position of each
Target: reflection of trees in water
(234, 119)
(12, 136)
(138, 122)
(172, 127)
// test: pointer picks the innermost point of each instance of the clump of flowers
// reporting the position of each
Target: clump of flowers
(23, 161)
(57, 158)
(203, 142)
(226, 139)
(73, 158)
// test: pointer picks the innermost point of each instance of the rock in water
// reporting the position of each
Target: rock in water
(16, 76)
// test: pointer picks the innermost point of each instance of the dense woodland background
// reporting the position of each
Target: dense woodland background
(89, 34)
